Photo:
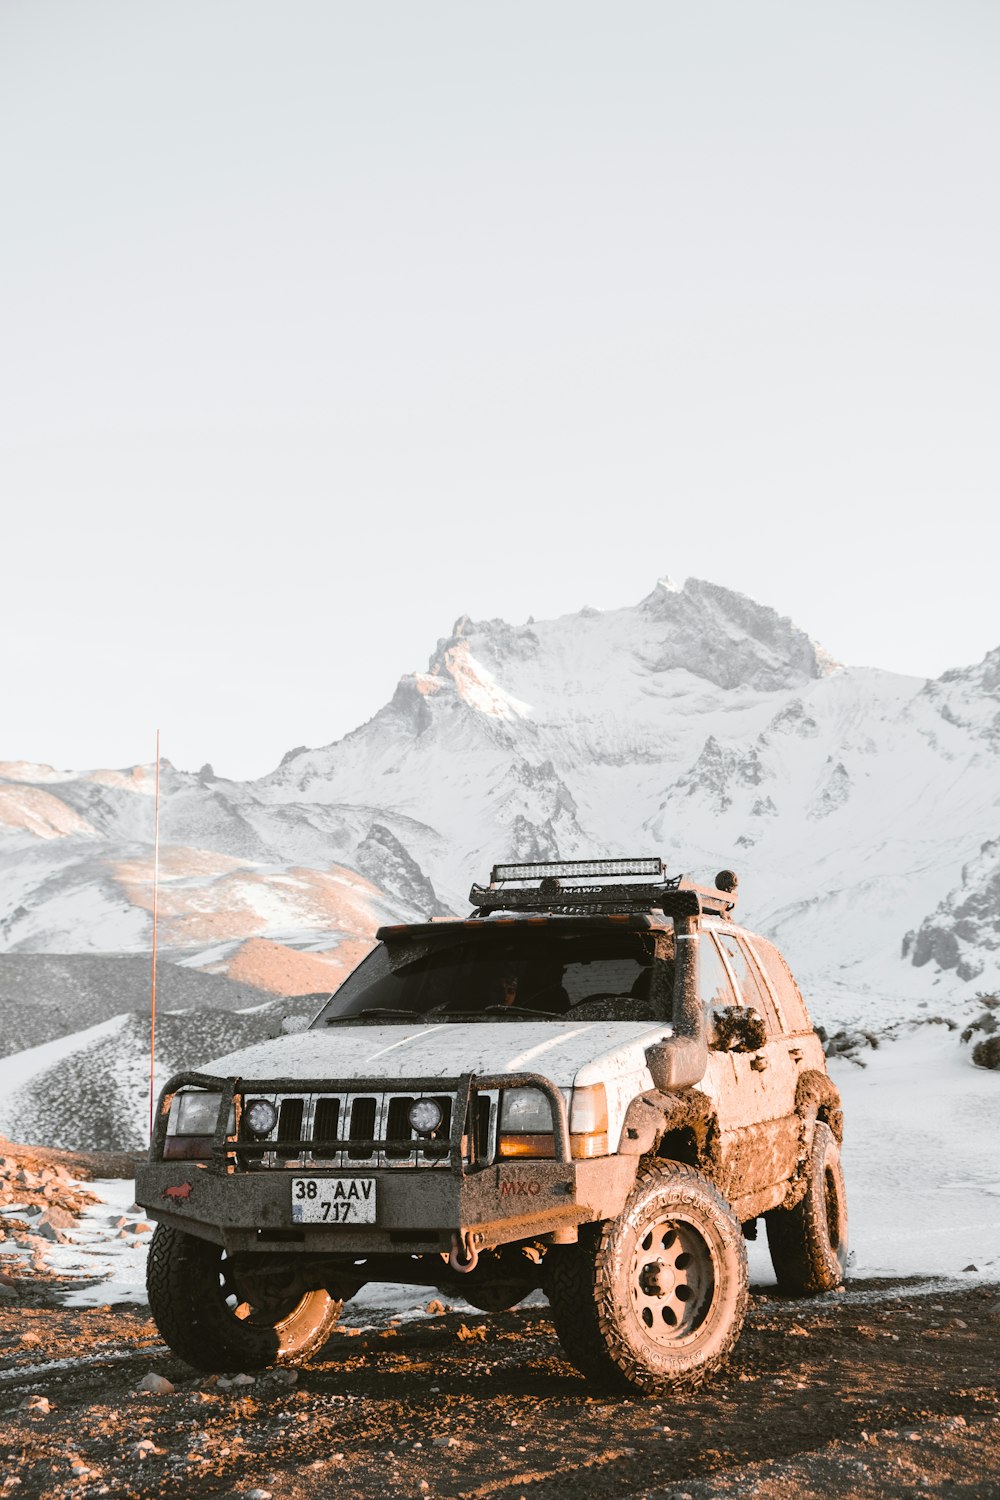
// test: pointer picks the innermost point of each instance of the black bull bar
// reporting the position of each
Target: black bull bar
(463, 1088)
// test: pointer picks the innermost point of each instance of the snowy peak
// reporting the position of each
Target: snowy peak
(456, 672)
(731, 640)
(969, 697)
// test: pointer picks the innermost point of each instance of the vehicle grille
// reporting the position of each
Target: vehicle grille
(351, 1130)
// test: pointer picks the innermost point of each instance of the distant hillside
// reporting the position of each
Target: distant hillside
(48, 995)
(90, 1090)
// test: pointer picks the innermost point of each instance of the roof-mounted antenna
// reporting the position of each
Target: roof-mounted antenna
(156, 888)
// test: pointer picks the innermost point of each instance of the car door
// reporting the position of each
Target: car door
(774, 1074)
(739, 1084)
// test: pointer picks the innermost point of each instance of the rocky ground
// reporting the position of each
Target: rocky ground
(885, 1389)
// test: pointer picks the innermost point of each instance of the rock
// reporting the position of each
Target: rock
(139, 1227)
(59, 1218)
(445, 1440)
(970, 1268)
(144, 1448)
(39, 1404)
(286, 1377)
(434, 1307)
(158, 1385)
(465, 1333)
(256, 1495)
(243, 1380)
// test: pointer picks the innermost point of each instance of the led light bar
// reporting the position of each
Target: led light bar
(577, 869)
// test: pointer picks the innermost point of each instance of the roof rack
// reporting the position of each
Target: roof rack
(566, 886)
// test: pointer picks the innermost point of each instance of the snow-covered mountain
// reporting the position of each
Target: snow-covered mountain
(854, 803)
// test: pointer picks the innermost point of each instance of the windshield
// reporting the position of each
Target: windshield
(625, 976)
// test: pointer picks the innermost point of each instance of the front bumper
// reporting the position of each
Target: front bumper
(416, 1211)
(484, 1203)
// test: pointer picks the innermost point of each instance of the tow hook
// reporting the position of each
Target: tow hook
(464, 1256)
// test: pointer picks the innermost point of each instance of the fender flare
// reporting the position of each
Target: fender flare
(816, 1098)
(653, 1115)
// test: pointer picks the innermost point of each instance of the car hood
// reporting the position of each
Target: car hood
(564, 1051)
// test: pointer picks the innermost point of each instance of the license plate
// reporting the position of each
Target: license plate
(333, 1200)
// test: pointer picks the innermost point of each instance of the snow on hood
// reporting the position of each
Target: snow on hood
(564, 1051)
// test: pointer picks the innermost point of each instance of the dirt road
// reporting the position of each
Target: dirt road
(877, 1392)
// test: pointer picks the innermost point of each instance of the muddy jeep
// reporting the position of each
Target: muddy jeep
(595, 1085)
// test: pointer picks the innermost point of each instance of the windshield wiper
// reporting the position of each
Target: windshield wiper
(388, 1010)
(518, 1010)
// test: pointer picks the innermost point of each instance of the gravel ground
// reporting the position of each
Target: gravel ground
(880, 1391)
(887, 1388)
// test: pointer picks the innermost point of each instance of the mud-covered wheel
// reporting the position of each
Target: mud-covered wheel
(222, 1313)
(655, 1299)
(808, 1243)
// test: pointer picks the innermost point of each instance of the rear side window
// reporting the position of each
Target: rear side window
(751, 989)
(793, 1007)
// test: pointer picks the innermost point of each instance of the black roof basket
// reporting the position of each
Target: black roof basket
(600, 885)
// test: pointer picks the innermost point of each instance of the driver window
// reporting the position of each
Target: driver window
(713, 981)
(751, 990)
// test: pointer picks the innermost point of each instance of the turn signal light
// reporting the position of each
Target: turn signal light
(542, 1146)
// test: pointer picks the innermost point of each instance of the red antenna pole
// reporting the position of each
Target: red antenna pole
(156, 888)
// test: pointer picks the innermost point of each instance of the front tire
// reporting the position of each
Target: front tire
(808, 1243)
(222, 1313)
(655, 1299)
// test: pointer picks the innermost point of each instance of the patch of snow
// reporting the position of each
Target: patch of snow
(921, 1158)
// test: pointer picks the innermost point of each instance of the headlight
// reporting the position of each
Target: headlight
(526, 1112)
(527, 1128)
(260, 1116)
(194, 1113)
(425, 1115)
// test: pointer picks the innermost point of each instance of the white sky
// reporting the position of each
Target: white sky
(322, 324)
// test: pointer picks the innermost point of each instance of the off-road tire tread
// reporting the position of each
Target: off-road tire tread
(181, 1280)
(578, 1288)
(797, 1237)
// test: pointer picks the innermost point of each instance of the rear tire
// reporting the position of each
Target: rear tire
(222, 1313)
(655, 1299)
(808, 1243)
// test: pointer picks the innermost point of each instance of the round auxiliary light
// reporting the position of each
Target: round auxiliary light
(425, 1115)
(260, 1116)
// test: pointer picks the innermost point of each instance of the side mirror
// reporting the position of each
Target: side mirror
(291, 1024)
(739, 1028)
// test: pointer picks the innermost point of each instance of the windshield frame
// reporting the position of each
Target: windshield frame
(531, 949)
